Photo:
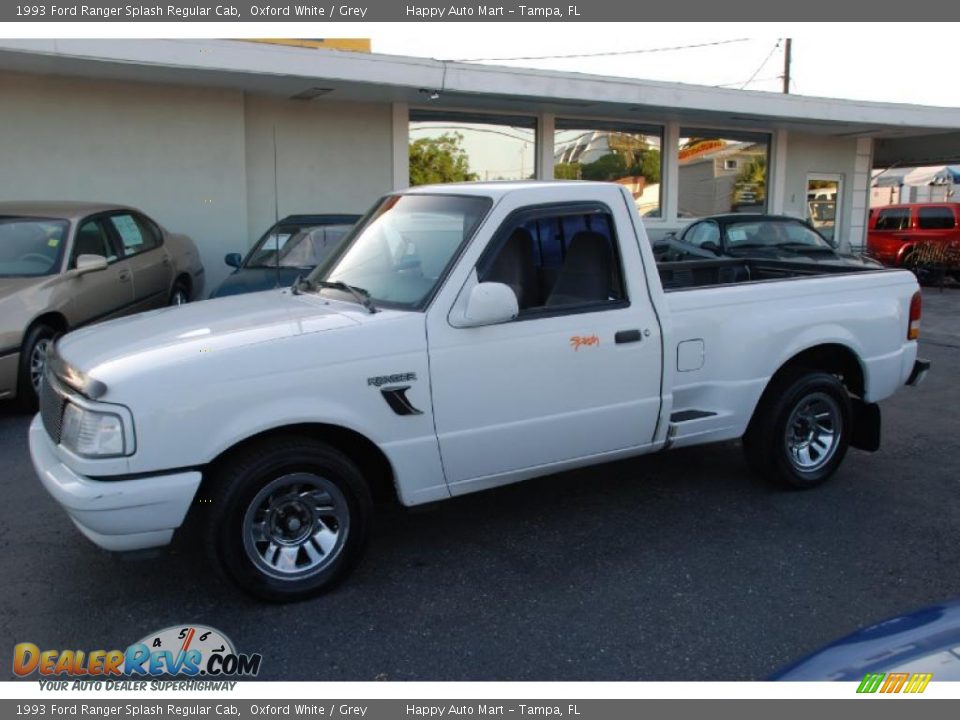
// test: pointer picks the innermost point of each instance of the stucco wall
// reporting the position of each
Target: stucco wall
(847, 157)
(198, 160)
(175, 152)
(331, 157)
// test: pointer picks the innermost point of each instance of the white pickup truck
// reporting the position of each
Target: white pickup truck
(465, 337)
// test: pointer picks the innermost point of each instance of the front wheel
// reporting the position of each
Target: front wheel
(33, 363)
(801, 430)
(290, 518)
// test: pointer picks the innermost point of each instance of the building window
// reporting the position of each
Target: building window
(720, 173)
(614, 152)
(464, 147)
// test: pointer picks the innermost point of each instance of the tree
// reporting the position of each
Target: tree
(566, 171)
(607, 167)
(439, 159)
(750, 186)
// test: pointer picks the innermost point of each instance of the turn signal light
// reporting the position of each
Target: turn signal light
(913, 330)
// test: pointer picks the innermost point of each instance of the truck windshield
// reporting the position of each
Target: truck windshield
(30, 247)
(403, 248)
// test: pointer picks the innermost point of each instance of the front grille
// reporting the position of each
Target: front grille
(51, 408)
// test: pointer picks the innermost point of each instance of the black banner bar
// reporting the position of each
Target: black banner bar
(433, 11)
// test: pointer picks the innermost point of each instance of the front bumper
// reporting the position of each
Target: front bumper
(115, 514)
(919, 373)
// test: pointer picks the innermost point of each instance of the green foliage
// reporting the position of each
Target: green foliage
(750, 187)
(566, 171)
(439, 159)
(607, 167)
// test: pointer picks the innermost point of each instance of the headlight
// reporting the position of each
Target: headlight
(92, 434)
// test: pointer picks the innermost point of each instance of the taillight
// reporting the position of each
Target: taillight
(913, 330)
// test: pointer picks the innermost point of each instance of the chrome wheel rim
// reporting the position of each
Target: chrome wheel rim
(38, 362)
(296, 526)
(813, 432)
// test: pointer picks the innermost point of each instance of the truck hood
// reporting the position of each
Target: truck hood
(174, 333)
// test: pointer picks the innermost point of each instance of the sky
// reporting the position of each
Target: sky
(863, 61)
(891, 62)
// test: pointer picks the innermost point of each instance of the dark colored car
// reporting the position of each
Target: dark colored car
(925, 641)
(293, 246)
(752, 235)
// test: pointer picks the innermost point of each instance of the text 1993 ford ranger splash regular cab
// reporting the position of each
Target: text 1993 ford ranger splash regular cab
(465, 337)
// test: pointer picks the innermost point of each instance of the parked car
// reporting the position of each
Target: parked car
(68, 264)
(469, 336)
(925, 641)
(742, 235)
(896, 233)
(291, 247)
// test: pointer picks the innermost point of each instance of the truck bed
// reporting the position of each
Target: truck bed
(692, 274)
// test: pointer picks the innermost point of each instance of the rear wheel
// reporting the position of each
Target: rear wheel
(801, 430)
(33, 362)
(180, 295)
(290, 518)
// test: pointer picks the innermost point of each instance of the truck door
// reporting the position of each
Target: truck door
(575, 375)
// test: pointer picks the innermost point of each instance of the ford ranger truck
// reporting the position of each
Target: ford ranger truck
(464, 337)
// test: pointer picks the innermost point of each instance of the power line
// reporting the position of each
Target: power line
(763, 64)
(742, 83)
(606, 54)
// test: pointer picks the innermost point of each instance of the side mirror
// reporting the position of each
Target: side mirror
(490, 303)
(90, 263)
(234, 260)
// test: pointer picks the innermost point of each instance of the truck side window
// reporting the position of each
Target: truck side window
(893, 219)
(557, 262)
(935, 218)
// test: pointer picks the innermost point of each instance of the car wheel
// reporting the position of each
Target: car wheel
(180, 295)
(33, 362)
(801, 430)
(289, 518)
(924, 275)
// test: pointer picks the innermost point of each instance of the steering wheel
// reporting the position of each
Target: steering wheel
(35, 257)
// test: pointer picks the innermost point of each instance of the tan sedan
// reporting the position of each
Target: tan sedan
(63, 265)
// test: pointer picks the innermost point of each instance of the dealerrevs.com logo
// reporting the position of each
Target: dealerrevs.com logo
(895, 682)
(192, 651)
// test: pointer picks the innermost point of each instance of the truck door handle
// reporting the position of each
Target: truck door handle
(124, 276)
(627, 336)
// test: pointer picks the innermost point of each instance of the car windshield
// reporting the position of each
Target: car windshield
(402, 249)
(297, 246)
(31, 247)
(781, 234)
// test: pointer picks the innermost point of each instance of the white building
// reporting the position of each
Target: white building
(185, 130)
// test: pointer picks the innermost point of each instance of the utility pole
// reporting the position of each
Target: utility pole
(786, 66)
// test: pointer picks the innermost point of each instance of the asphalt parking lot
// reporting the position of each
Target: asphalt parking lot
(678, 566)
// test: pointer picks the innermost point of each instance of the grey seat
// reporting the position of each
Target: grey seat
(586, 273)
(514, 266)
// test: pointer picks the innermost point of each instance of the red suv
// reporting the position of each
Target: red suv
(896, 232)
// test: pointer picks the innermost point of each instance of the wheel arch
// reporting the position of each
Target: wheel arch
(833, 357)
(187, 281)
(53, 318)
(372, 461)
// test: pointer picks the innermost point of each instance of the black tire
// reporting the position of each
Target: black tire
(794, 398)
(179, 294)
(289, 465)
(37, 336)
